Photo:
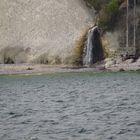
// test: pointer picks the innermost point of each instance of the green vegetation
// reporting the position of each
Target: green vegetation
(112, 6)
(107, 10)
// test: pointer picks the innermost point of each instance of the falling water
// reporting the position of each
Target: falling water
(93, 50)
(89, 45)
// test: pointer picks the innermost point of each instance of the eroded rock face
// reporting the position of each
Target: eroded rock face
(115, 39)
(46, 28)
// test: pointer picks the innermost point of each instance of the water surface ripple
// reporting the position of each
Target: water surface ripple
(70, 106)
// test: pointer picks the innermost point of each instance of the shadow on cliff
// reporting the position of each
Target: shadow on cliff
(13, 55)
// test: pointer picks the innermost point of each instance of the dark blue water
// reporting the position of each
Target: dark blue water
(70, 106)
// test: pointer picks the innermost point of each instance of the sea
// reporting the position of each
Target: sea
(70, 106)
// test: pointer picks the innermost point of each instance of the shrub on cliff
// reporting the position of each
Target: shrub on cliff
(108, 12)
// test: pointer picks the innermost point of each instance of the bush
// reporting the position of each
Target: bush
(107, 10)
(112, 7)
(107, 13)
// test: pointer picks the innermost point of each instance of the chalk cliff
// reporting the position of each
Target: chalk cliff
(55, 31)
(41, 31)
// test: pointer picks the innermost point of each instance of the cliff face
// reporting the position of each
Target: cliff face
(112, 19)
(116, 38)
(42, 31)
(45, 31)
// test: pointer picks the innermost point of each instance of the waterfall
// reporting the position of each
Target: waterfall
(93, 50)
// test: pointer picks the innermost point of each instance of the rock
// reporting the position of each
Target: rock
(121, 69)
(118, 60)
(29, 68)
(109, 63)
(138, 60)
(123, 5)
(129, 61)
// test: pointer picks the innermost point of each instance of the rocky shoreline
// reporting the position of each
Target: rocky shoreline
(122, 65)
(38, 69)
